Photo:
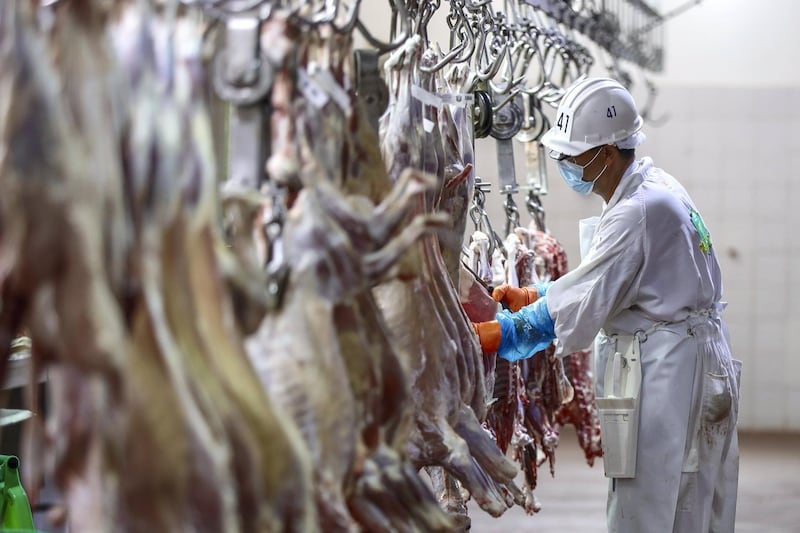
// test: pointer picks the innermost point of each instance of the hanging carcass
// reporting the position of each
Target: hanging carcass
(160, 422)
(426, 320)
(323, 353)
(580, 408)
(531, 397)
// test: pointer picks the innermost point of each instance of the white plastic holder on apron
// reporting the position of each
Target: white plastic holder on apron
(619, 409)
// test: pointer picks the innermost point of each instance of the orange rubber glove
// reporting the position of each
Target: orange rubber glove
(515, 297)
(489, 335)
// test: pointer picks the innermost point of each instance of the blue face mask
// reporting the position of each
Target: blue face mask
(573, 175)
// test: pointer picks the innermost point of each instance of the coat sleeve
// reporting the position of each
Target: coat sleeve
(606, 281)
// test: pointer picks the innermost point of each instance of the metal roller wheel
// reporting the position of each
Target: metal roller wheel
(482, 117)
(507, 121)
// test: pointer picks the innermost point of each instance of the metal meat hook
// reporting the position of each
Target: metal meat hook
(400, 11)
(512, 213)
(536, 52)
(476, 4)
(546, 64)
(523, 53)
(461, 27)
(510, 80)
(487, 28)
(493, 66)
(223, 9)
(479, 216)
(475, 214)
(535, 209)
(327, 15)
(351, 19)
(424, 14)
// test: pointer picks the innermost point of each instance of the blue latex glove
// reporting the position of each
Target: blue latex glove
(525, 332)
(541, 288)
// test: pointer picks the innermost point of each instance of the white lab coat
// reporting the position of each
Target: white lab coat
(645, 269)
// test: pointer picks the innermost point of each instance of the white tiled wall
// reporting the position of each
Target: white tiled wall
(737, 151)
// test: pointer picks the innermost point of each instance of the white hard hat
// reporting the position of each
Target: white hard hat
(593, 112)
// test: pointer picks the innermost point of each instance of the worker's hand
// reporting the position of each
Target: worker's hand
(526, 332)
(489, 335)
(516, 298)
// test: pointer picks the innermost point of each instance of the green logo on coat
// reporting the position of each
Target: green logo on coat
(702, 231)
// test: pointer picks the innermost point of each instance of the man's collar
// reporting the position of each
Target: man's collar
(626, 182)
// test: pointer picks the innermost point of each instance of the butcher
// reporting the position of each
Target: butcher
(648, 293)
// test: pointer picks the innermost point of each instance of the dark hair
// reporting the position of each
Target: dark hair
(627, 153)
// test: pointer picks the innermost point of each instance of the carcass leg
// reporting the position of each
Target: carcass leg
(450, 497)
(483, 447)
(392, 493)
(447, 449)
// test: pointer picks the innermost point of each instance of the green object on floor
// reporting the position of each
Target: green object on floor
(15, 510)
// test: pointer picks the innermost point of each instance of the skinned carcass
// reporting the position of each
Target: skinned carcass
(324, 352)
(479, 259)
(53, 245)
(474, 293)
(532, 397)
(311, 356)
(511, 406)
(455, 121)
(428, 324)
(547, 385)
(578, 406)
(184, 317)
(160, 422)
(526, 264)
(475, 297)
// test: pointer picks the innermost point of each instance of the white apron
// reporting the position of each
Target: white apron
(686, 475)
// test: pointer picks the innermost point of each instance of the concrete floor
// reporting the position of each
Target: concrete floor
(575, 500)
